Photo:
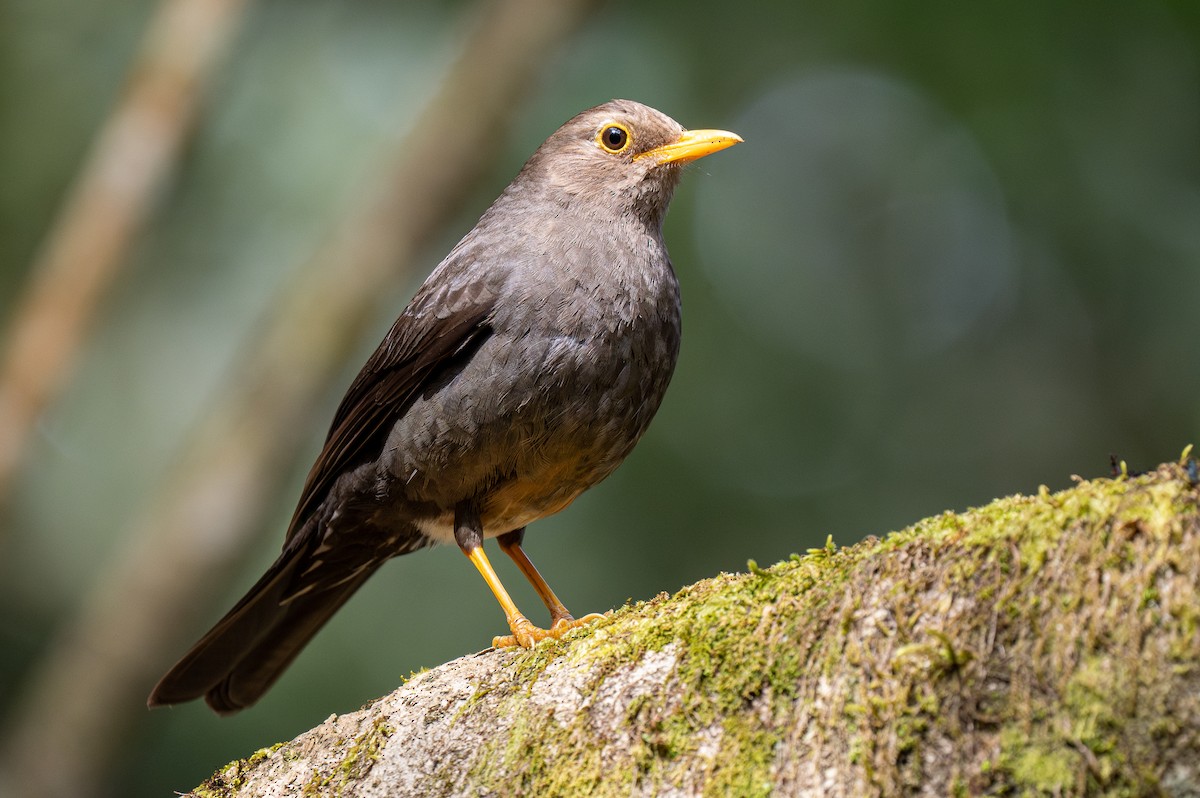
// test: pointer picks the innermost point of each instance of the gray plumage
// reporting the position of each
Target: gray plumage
(522, 372)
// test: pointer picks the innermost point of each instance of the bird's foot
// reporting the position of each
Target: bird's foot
(526, 635)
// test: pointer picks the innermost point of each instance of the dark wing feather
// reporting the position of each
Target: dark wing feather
(243, 654)
(436, 327)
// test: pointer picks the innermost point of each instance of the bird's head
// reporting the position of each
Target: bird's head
(622, 158)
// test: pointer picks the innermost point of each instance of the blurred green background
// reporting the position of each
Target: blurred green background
(958, 256)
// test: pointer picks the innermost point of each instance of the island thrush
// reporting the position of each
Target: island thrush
(522, 373)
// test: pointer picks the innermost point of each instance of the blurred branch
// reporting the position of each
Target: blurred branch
(188, 538)
(104, 210)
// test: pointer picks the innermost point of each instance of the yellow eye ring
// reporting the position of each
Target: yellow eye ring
(613, 138)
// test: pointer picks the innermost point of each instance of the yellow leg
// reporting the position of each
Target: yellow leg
(518, 555)
(516, 621)
(560, 619)
(524, 633)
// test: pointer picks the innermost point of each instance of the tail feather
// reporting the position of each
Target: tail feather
(247, 650)
(263, 664)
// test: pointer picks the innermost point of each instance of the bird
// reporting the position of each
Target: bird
(522, 372)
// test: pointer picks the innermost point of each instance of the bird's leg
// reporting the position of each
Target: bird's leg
(468, 533)
(560, 619)
(510, 544)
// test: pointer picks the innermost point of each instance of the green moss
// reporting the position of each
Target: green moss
(1037, 766)
(356, 761)
(229, 779)
(743, 766)
(720, 669)
(1049, 641)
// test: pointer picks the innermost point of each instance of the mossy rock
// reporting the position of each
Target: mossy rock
(1041, 645)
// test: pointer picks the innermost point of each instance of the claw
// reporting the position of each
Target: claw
(526, 635)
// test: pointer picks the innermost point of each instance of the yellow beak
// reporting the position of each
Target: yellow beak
(693, 144)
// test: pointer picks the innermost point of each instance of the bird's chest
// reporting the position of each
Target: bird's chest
(592, 382)
(595, 348)
(551, 402)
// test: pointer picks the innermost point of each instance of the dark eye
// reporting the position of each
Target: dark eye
(614, 138)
